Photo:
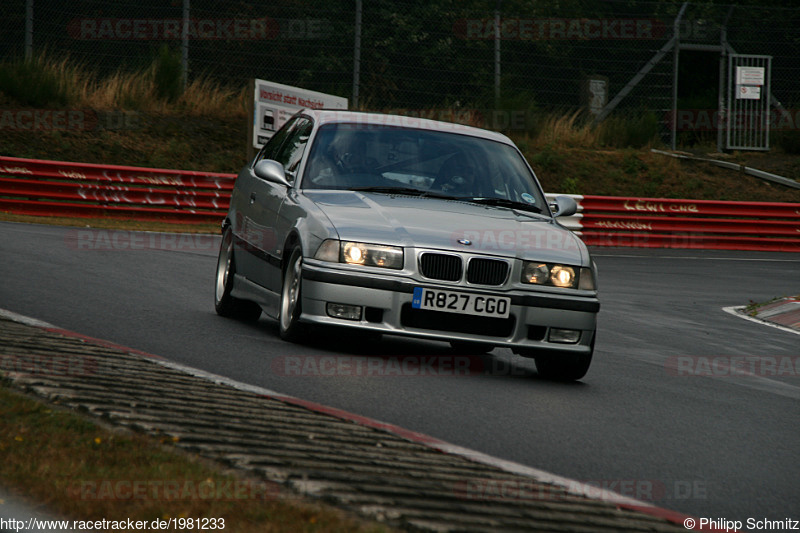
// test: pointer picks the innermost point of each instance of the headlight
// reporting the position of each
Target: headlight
(557, 275)
(359, 253)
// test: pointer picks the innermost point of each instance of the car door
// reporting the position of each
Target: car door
(290, 155)
(256, 202)
(266, 199)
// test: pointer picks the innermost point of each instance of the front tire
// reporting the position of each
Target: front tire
(291, 303)
(224, 303)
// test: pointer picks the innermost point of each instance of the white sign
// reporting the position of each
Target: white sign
(749, 75)
(748, 92)
(275, 103)
(598, 95)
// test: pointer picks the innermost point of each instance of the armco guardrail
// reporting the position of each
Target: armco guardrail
(701, 224)
(55, 188)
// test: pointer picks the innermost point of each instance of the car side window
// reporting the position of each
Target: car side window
(291, 152)
(270, 149)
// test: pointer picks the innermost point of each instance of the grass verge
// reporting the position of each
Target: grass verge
(84, 471)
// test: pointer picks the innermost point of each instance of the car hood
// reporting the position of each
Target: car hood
(433, 223)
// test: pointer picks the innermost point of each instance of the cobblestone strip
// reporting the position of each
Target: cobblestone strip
(366, 470)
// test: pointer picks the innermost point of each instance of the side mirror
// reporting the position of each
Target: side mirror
(564, 206)
(272, 171)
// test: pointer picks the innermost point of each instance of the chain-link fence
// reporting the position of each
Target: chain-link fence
(415, 55)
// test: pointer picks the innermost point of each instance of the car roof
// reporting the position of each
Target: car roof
(330, 116)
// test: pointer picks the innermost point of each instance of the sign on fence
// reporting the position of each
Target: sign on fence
(274, 103)
(748, 101)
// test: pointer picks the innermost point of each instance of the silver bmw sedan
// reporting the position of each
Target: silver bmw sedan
(406, 226)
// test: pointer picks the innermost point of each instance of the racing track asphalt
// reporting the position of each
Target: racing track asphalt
(708, 446)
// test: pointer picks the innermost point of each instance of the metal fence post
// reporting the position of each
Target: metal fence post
(357, 55)
(185, 43)
(28, 29)
(673, 133)
(497, 55)
(722, 111)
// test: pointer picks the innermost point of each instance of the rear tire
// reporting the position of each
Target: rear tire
(291, 299)
(224, 303)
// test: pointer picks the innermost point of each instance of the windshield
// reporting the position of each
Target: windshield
(383, 158)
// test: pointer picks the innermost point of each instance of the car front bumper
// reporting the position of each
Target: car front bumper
(386, 308)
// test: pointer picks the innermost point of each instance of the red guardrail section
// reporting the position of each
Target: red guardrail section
(55, 188)
(58, 188)
(708, 224)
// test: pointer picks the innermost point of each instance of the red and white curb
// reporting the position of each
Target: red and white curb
(570, 486)
(783, 315)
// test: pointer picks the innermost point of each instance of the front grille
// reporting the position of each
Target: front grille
(456, 323)
(444, 267)
(483, 271)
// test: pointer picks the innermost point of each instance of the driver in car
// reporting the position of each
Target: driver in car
(456, 176)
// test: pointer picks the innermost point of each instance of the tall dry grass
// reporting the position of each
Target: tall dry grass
(137, 91)
(47, 80)
(41, 80)
(204, 96)
(74, 84)
(568, 131)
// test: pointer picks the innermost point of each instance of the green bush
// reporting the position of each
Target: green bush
(571, 185)
(632, 164)
(629, 131)
(33, 82)
(168, 74)
(515, 113)
(547, 159)
(788, 141)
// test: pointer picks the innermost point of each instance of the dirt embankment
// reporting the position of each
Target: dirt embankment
(219, 145)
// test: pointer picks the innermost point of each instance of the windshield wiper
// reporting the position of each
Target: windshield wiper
(504, 202)
(410, 191)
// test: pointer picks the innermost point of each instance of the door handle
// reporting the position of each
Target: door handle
(252, 197)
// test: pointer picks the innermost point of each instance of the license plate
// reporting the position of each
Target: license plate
(461, 302)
